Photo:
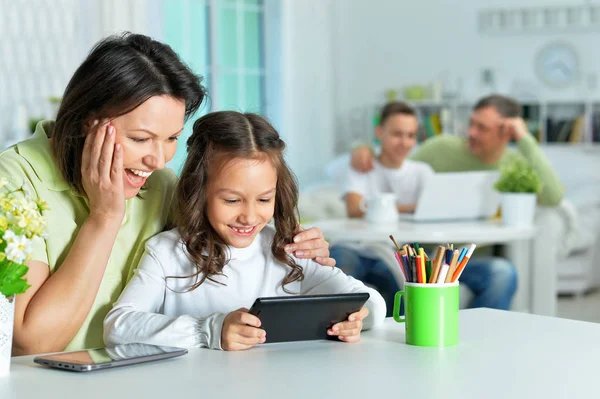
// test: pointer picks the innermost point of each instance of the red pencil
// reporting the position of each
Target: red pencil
(420, 278)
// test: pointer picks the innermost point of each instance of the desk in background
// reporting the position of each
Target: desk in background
(536, 290)
(500, 355)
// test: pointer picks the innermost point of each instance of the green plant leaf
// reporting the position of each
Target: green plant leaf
(11, 278)
(518, 177)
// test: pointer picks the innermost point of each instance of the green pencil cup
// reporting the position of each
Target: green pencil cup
(431, 313)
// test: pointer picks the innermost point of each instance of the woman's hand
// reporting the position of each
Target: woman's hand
(311, 244)
(241, 330)
(349, 331)
(102, 173)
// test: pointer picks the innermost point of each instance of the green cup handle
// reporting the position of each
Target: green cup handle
(396, 314)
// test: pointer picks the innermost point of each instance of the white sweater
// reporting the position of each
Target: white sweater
(149, 312)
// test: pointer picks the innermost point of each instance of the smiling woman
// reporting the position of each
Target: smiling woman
(148, 136)
(101, 169)
(116, 128)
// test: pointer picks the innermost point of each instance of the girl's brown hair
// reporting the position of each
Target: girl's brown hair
(222, 136)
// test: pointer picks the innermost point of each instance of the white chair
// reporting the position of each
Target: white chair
(578, 217)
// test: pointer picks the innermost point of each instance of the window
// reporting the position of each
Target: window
(222, 40)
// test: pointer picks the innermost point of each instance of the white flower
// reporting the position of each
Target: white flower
(22, 223)
(9, 236)
(3, 182)
(18, 248)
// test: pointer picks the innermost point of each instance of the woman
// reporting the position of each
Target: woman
(100, 168)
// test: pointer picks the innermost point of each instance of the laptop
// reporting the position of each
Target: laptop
(457, 196)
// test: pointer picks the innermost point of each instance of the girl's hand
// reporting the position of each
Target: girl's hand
(349, 331)
(102, 173)
(241, 331)
(311, 244)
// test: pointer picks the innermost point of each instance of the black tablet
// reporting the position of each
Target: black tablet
(304, 317)
(103, 358)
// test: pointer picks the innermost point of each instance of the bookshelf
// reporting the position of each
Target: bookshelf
(552, 121)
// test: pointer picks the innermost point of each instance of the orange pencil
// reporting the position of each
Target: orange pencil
(463, 263)
(453, 264)
(418, 267)
(437, 264)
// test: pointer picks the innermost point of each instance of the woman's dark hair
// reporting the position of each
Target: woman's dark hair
(217, 138)
(119, 74)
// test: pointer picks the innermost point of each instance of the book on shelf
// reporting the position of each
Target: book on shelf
(436, 122)
(431, 125)
(596, 127)
(577, 134)
(428, 128)
(565, 130)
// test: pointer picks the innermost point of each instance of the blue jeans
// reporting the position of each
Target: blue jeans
(493, 280)
(373, 272)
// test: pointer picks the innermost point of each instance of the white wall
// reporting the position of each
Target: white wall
(336, 59)
(42, 42)
(38, 51)
(307, 92)
(383, 44)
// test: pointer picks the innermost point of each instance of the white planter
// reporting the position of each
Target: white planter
(7, 316)
(518, 209)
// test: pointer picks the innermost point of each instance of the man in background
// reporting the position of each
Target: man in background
(495, 121)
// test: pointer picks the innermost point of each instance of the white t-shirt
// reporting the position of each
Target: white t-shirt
(406, 182)
(152, 312)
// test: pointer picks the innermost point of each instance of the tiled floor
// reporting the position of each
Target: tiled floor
(586, 307)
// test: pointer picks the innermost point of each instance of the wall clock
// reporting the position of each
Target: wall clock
(557, 64)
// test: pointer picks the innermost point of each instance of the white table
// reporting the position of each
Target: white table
(499, 355)
(533, 295)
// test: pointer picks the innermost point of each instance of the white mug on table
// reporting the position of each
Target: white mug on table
(380, 208)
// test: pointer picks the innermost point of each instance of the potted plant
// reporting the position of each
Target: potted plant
(21, 223)
(518, 185)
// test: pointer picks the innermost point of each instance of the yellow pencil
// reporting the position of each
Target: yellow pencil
(423, 271)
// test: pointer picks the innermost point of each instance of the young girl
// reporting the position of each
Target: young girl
(195, 283)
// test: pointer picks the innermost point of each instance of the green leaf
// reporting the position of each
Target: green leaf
(518, 177)
(11, 278)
